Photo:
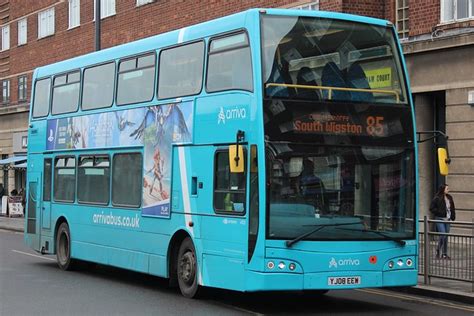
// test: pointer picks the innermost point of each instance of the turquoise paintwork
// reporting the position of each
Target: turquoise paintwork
(221, 241)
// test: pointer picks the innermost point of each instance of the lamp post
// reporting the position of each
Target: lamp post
(97, 25)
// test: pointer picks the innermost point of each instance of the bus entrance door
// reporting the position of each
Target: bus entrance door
(46, 201)
(33, 230)
(216, 206)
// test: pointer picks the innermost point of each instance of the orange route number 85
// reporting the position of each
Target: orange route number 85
(374, 125)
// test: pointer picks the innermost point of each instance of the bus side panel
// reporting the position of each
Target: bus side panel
(221, 116)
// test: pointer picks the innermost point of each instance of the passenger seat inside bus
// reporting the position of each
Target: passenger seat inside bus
(306, 77)
(357, 79)
(332, 76)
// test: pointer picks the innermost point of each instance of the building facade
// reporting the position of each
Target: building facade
(437, 35)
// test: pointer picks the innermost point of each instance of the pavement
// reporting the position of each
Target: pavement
(438, 288)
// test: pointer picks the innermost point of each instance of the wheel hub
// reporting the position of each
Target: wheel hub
(187, 267)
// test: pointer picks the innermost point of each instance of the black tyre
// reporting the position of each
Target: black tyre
(63, 248)
(187, 269)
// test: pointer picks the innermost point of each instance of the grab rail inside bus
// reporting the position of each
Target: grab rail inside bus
(330, 89)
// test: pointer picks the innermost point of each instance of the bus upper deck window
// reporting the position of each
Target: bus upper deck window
(180, 71)
(41, 98)
(66, 93)
(98, 91)
(136, 80)
(230, 65)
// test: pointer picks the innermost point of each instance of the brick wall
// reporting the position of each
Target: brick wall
(331, 5)
(130, 23)
(424, 16)
(373, 8)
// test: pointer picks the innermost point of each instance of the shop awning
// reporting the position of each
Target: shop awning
(21, 165)
(13, 159)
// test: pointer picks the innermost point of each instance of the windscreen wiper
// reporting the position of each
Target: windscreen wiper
(398, 241)
(289, 243)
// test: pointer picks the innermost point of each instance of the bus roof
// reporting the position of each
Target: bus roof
(185, 34)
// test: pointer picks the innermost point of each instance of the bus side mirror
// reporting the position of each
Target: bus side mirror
(236, 158)
(443, 161)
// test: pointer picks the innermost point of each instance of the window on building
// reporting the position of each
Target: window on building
(93, 180)
(22, 31)
(136, 80)
(6, 37)
(66, 93)
(41, 98)
(229, 188)
(230, 65)
(5, 91)
(46, 23)
(127, 179)
(142, 2)
(107, 8)
(453, 10)
(180, 71)
(402, 13)
(314, 5)
(24, 142)
(65, 179)
(98, 91)
(22, 88)
(74, 13)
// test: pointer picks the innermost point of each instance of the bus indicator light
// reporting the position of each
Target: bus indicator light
(373, 259)
(390, 264)
(270, 265)
(292, 266)
(409, 262)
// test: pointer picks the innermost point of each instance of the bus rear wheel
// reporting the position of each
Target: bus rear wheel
(63, 248)
(187, 269)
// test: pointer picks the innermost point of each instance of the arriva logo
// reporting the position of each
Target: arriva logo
(333, 263)
(231, 114)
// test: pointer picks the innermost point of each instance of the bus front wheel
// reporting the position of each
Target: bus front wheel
(63, 244)
(187, 269)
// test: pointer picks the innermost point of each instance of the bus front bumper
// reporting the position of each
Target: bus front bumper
(261, 281)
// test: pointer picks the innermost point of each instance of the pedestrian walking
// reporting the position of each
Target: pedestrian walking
(442, 207)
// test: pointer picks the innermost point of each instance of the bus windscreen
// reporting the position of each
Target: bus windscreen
(319, 59)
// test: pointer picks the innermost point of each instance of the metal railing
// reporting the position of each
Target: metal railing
(460, 265)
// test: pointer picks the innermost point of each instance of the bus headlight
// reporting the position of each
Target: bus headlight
(270, 265)
(390, 264)
(292, 266)
(281, 265)
(400, 262)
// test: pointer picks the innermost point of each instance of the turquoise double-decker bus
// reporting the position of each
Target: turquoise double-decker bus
(266, 150)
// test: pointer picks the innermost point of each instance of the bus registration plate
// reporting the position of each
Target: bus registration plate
(352, 280)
